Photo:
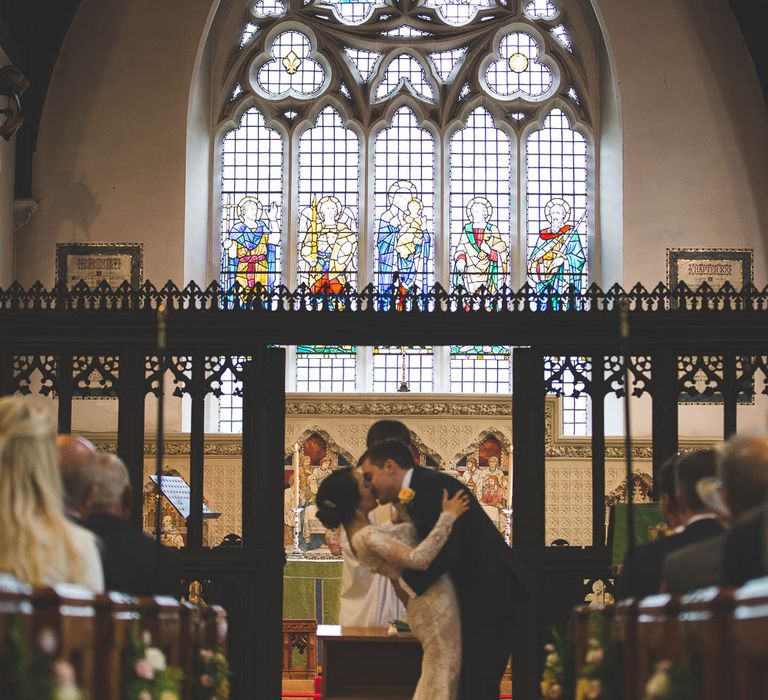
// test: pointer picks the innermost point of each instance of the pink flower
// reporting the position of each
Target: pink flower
(206, 655)
(144, 670)
(64, 674)
(47, 641)
(206, 680)
(144, 695)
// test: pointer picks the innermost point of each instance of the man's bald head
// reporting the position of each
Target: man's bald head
(77, 461)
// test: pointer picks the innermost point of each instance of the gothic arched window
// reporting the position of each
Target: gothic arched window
(403, 144)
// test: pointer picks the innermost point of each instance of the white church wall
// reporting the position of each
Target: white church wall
(695, 133)
(110, 160)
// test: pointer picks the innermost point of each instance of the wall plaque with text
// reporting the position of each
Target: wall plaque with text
(95, 263)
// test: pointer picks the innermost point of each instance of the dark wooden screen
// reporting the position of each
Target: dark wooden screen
(52, 341)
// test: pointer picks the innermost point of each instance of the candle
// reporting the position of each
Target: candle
(296, 476)
(509, 479)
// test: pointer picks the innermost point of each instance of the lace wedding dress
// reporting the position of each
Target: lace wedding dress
(434, 615)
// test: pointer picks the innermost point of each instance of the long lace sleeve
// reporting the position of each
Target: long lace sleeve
(399, 555)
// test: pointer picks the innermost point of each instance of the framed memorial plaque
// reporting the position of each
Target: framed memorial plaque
(94, 263)
(715, 266)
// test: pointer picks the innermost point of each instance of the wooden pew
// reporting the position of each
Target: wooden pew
(189, 643)
(215, 626)
(117, 619)
(622, 630)
(706, 619)
(749, 637)
(161, 623)
(16, 617)
(659, 636)
(68, 612)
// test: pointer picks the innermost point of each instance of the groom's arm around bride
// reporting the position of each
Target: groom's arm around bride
(487, 576)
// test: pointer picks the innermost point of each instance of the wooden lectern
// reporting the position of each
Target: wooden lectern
(366, 663)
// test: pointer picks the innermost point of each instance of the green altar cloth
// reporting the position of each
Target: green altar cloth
(311, 590)
(648, 526)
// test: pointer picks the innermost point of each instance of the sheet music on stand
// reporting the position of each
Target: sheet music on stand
(176, 490)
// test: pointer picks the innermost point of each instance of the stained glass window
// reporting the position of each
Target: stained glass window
(405, 69)
(290, 70)
(404, 205)
(542, 9)
(562, 36)
(363, 61)
(480, 182)
(483, 369)
(520, 72)
(265, 8)
(389, 182)
(352, 11)
(251, 204)
(325, 368)
(446, 61)
(403, 369)
(557, 207)
(328, 207)
(458, 11)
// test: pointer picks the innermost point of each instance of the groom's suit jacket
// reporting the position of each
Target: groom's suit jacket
(489, 578)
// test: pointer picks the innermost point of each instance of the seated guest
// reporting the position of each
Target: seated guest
(743, 469)
(132, 561)
(641, 575)
(746, 546)
(77, 462)
(38, 544)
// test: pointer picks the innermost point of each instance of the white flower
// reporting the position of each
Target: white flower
(156, 658)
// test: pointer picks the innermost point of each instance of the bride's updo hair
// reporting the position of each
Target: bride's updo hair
(337, 498)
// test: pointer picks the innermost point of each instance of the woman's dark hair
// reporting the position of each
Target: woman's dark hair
(337, 498)
(388, 429)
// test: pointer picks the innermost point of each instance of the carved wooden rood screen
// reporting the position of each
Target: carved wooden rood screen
(52, 342)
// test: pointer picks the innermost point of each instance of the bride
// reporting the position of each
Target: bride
(344, 498)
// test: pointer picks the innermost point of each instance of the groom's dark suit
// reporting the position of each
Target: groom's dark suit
(487, 576)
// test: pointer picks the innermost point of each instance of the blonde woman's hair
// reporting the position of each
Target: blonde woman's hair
(35, 537)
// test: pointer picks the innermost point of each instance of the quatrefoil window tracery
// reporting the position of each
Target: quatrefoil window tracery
(289, 67)
(522, 70)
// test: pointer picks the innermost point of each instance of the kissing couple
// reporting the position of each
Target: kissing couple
(460, 579)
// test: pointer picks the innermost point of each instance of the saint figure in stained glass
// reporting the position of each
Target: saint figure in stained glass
(481, 256)
(329, 245)
(558, 257)
(249, 247)
(403, 240)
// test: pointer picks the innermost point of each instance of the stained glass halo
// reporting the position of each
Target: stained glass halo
(520, 65)
(289, 65)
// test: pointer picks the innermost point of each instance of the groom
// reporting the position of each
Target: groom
(487, 577)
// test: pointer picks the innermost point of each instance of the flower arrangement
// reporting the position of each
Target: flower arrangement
(36, 673)
(211, 675)
(600, 676)
(147, 675)
(673, 681)
(556, 679)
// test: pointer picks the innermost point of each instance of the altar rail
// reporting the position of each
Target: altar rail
(713, 641)
(95, 635)
(77, 343)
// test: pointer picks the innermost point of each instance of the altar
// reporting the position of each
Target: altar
(368, 663)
